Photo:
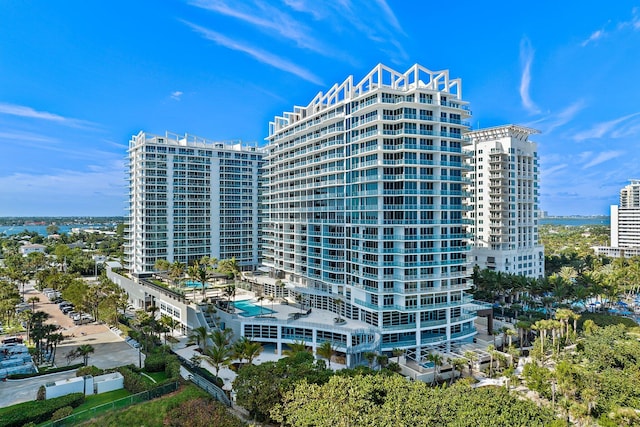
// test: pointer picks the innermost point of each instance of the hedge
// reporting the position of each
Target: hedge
(133, 382)
(37, 411)
(46, 372)
(155, 362)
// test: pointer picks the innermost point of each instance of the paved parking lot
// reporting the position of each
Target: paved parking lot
(110, 351)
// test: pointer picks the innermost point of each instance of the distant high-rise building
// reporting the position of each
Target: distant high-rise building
(504, 201)
(189, 198)
(625, 224)
(364, 213)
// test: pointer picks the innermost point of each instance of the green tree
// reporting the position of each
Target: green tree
(295, 348)
(326, 351)
(84, 351)
(199, 335)
(217, 356)
(260, 387)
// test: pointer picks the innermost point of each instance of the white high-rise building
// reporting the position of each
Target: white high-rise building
(189, 198)
(625, 224)
(364, 213)
(504, 201)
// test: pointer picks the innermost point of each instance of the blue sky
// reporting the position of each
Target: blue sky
(78, 78)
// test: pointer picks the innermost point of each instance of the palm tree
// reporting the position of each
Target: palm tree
(84, 351)
(472, 357)
(457, 364)
(260, 298)
(176, 271)
(33, 300)
(230, 292)
(370, 357)
(54, 340)
(162, 265)
(229, 267)
(523, 331)
(167, 323)
(217, 356)
(436, 359)
(221, 338)
(509, 333)
(326, 351)
(204, 274)
(492, 353)
(382, 360)
(397, 352)
(244, 348)
(252, 350)
(295, 348)
(199, 335)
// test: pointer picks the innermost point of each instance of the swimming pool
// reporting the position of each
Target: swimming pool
(428, 365)
(192, 284)
(248, 309)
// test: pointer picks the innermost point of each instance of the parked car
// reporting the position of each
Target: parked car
(72, 313)
(68, 309)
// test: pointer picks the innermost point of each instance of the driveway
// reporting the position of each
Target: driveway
(110, 351)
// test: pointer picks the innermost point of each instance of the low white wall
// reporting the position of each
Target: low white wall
(68, 386)
(108, 382)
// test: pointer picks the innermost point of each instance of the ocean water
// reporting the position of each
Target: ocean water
(576, 221)
(10, 230)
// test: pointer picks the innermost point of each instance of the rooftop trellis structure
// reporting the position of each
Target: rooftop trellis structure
(380, 76)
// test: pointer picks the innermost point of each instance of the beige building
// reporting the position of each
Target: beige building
(504, 207)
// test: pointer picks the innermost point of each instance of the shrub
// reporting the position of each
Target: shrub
(45, 372)
(42, 393)
(200, 412)
(172, 368)
(133, 382)
(89, 370)
(155, 362)
(38, 411)
(62, 413)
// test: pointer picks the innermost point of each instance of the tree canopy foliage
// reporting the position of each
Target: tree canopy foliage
(378, 400)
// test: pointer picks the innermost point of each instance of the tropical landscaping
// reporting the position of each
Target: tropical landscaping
(568, 353)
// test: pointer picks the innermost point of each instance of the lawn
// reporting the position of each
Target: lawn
(151, 413)
(101, 399)
(158, 376)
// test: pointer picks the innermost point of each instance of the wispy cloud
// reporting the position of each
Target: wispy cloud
(268, 18)
(28, 112)
(601, 158)
(258, 54)
(19, 136)
(633, 23)
(381, 30)
(602, 129)
(552, 121)
(176, 95)
(553, 170)
(98, 191)
(526, 59)
(390, 16)
(596, 35)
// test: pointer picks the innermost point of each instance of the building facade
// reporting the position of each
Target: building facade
(625, 224)
(363, 208)
(189, 198)
(504, 210)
